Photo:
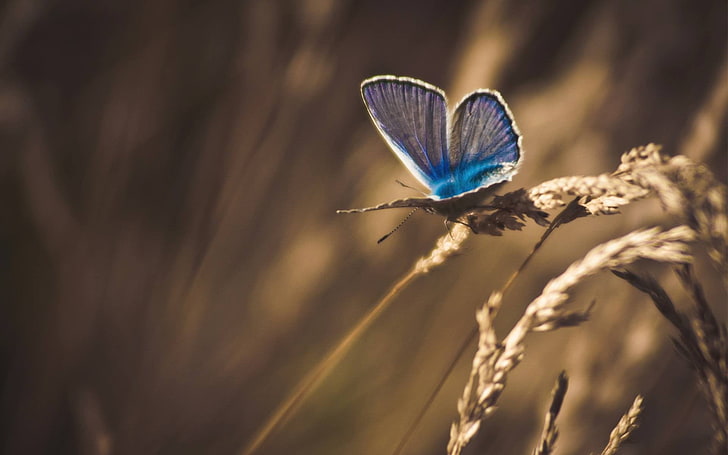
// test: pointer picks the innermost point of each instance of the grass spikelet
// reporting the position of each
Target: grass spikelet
(612, 191)
(669, 246)
(550, 432)
(626, 425)
(445, 247)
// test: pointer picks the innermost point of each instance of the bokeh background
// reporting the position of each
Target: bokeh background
(171, 263)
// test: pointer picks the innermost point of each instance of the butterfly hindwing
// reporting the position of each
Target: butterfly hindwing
(484, 144)
(412, 116)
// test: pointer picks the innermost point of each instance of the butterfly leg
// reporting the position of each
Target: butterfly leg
(459, 221)
(447, 226)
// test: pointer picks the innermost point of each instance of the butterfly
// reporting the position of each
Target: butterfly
(461, 160)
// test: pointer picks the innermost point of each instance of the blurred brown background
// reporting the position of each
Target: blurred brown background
(170, 259)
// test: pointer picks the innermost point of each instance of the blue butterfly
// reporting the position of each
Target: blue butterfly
(460, 161)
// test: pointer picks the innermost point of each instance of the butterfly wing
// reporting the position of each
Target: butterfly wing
(485, 144)
(411, 115)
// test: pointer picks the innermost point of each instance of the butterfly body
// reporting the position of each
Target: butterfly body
(459, 159)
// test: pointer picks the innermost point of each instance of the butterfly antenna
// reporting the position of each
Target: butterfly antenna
(398, 226)
(410, 187)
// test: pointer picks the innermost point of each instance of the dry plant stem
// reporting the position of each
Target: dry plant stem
(435, 391)
(493, 360)
(445, 247)
(626, 425)
(558, 220)
(550, 432)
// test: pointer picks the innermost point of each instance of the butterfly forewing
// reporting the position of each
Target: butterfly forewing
(412, 116)
(484, 144)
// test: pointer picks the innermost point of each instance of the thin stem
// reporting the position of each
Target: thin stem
(320, 371)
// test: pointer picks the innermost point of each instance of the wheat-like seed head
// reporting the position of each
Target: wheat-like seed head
(626, 425)
(493, 360)
(446, 246)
